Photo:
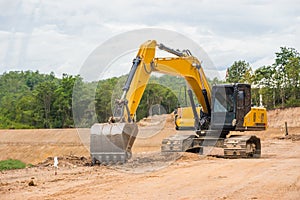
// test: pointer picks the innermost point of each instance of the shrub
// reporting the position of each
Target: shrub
(11, 164)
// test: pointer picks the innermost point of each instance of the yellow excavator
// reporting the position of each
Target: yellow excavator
(224, 108)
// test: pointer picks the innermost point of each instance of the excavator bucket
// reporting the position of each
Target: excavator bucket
(111, 143)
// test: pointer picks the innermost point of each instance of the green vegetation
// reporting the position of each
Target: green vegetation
(11, 164)
(34, 100)
(279, 83)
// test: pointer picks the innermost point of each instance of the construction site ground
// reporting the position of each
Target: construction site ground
(150, 174)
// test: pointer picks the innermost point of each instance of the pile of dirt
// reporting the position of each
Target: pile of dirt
(66, 161)
(292, 137)
(156, 120)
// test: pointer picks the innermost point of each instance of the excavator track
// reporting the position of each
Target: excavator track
(242, 146)
(236, 146)
(177, 143)
(190, 143)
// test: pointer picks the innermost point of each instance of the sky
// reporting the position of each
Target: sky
(59, 35)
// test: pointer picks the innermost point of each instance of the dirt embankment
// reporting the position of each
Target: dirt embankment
(277, 118)
(35, 145)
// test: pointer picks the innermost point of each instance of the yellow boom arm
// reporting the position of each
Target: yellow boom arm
(184, 65)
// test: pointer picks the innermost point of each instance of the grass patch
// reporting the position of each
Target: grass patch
(11, 164)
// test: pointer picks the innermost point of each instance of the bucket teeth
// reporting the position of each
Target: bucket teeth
(111, 143)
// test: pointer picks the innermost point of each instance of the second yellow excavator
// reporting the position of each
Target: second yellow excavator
(224, 108)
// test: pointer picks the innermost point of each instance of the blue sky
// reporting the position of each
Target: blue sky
(58, 35)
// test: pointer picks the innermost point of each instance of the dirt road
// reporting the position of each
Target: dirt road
(274, 176)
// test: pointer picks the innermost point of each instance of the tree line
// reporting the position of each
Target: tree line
(33, 100)
(277, 84)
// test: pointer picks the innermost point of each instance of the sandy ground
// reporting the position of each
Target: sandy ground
(151, 175)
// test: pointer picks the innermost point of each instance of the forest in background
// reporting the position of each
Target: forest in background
(33, 100)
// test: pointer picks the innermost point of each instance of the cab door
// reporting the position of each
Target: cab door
(243, 103)
(223, 107)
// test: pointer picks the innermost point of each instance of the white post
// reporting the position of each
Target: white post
(55, 165)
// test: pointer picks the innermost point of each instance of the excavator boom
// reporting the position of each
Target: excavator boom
(184, 65)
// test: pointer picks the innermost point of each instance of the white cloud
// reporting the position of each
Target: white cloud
(59, 35)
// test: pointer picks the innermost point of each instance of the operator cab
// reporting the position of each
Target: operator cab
(230, 104)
